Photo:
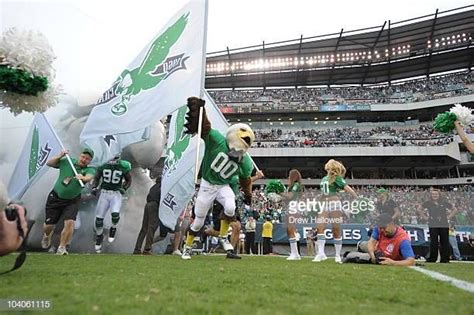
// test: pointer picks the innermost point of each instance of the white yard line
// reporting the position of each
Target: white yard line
(463, 285)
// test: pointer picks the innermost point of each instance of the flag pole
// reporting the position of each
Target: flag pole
(198, 145)
(62, 146)
(202, 91)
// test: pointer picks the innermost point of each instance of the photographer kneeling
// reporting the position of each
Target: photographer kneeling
(389, 244)
(13, 225)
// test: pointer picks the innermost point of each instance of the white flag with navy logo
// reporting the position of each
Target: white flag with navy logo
(40, 146)
(160, 79)
(177, 184)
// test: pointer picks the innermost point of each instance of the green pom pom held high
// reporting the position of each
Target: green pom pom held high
(457, 118)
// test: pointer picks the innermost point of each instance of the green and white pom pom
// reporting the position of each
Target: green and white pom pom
(463, 114)
(444, 122)
(273, 190)
(274, 186)
(26, 72)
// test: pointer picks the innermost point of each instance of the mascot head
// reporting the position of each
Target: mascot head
(239, 138)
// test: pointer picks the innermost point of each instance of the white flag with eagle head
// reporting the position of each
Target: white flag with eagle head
(160, 79)
(40, 146)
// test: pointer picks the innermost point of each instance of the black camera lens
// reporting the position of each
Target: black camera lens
(11, 213)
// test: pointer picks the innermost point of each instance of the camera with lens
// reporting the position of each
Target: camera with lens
(378, 255)
(11, 213)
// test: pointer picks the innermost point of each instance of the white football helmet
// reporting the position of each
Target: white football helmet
(240, 137)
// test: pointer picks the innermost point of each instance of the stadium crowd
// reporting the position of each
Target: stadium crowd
(304, 98)
(408, 198)
(386, 136)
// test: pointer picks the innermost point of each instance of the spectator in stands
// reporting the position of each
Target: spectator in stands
(267, 235)
(305, 99)
(385, 204)
(439, 211)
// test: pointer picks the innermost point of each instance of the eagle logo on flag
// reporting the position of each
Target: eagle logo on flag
(155, 67)
(180, 142)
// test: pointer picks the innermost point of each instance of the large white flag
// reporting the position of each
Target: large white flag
(160, 79)
(177, 184)
(41, 144)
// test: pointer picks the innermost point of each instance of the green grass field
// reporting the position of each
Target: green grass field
(125, 284)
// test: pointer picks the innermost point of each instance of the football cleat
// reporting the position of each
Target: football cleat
(177, 253)
(338, 259)
(232, 255)
(46, 241)
(292, 257)
(112, 232)
(98, 243)
(225, 244)
(62, 251)
(186, 253)
(320, 258)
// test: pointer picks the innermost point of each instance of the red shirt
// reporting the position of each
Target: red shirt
(390, 246)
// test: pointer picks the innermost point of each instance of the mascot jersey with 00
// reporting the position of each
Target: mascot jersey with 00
(217, 166)
(113, 173)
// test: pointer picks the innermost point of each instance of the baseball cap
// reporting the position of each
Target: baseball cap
(384, 219)
(88, 151)
(382, 190)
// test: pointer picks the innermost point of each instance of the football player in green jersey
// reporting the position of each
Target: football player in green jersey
(224, 157)
(114, 179)
(331, 185)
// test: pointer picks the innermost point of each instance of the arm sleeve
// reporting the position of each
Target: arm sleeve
(91, 171)
(375, 234)
(406, 250)
(213, 136)
(127, 167)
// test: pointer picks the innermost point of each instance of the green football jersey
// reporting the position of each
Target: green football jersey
(334, 187)
(113, 174)
(217, 167)
(296, 189)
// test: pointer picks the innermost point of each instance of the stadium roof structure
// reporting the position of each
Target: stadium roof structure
(421, 46)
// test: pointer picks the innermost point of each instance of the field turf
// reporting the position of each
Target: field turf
(126, 284)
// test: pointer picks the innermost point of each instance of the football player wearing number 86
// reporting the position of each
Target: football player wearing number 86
(224, 157)
(331, 184)
(114, 179)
